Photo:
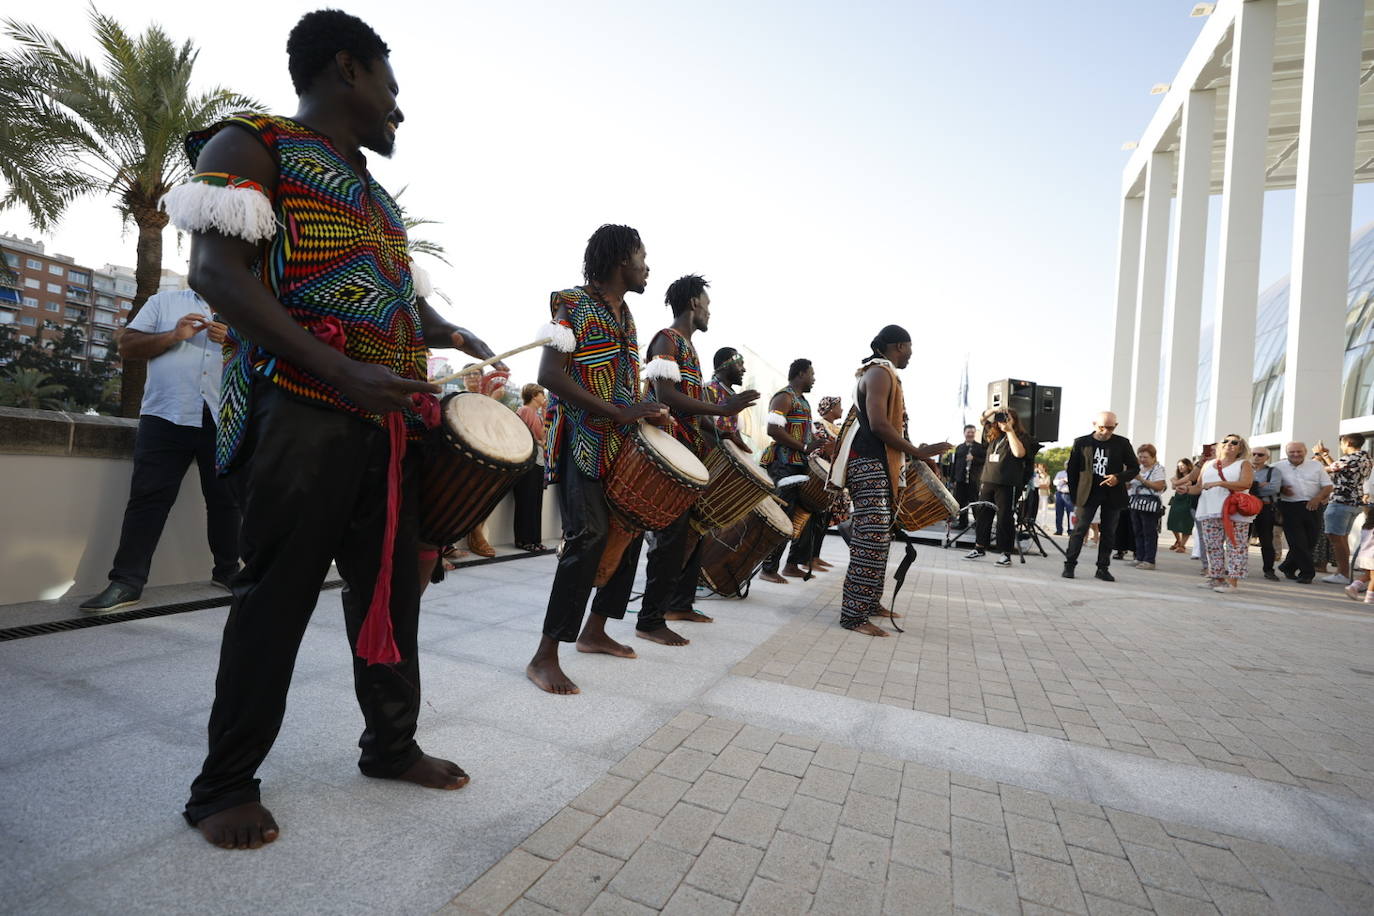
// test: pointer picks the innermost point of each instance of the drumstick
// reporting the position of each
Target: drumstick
(478, 367)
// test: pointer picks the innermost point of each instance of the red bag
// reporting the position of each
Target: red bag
(1239, 503)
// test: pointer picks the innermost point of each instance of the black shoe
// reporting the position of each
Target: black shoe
(1303, 580)
(1059, 534)
(115, 596)
(1271, 575)
(1119, 555)
(1068, 571)
(974, 554)
(217, 582)
(1104, 575)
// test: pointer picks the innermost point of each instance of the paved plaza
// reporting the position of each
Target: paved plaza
(1027, 745)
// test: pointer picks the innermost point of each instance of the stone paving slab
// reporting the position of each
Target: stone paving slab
(834, 829)
(1274, 682)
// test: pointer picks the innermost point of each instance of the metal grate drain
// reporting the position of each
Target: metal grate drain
(144, 613)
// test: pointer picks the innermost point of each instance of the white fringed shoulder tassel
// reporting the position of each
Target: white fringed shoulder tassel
(235, 210)
(559, 336)
(419, 278)
(663, 367)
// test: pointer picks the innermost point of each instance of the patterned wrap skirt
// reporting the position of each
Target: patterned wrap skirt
(870, 492)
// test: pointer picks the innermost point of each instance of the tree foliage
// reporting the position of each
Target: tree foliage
(71, 127)
(57, 360)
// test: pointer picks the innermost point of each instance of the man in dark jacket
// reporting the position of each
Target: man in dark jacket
(1100, 466)
(967, 470)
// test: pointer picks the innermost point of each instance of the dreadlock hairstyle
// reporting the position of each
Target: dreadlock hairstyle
(723, 356)
(322, 34)
(607, 247)
(797, 368)
(683, 290)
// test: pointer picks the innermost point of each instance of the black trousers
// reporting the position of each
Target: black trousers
(1002, 496)
(162, 453)
(529, 507)
(965, 492)
(313, 491)
(1111, 516)
(670, 573)
(1301, 529)
(803, 546)
(1263, 528)
(586, 525)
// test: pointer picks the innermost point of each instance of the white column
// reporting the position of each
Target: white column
(1242, 212)
(1141, 424)
(1123, 336)
(1321, 220)
(1183, 314)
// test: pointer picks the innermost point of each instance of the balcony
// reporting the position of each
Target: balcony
(78, 294)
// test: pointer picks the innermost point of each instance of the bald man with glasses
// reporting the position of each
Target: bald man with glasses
(1100, 465)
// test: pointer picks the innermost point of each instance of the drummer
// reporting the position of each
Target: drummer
(875, 449)
(591, 371)
(672, 365)
(729, 374)
(789, 426)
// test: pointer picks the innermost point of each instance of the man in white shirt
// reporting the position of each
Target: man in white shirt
(1306, 485)
(177, 334)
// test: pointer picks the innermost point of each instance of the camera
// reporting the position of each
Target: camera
(1000, 417)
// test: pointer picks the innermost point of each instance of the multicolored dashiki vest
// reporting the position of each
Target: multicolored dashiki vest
(339, 253)
(685, 427)
(798, 427)
(604, 362)
(718, 393)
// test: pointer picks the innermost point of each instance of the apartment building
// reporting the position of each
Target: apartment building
(42, 287)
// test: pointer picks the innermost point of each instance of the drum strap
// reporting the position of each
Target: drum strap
(899, 577)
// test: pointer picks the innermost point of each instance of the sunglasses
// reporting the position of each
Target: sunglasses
(1113, 426)
(1230, 442)
(1259, 454)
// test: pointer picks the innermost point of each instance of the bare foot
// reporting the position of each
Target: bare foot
(600, 642)
(547, 676)
(245, 826)
(795, 571)
(884, 612)
(662, 636)
(869, 629)
(820, 564)
(772, 577)
(433, 773)
(691, 616)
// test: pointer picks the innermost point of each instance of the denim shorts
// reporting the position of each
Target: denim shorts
(1339, 517)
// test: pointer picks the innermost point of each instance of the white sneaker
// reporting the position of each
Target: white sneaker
(1224, 588)
(1336, 579)
(1207, 583)
(1144, 565)
(974, 554)
(1005, 561)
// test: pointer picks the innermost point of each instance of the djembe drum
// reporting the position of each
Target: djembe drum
(654, 479)
(730, 558)
(470, 460)
(737, 485)
(924, 500)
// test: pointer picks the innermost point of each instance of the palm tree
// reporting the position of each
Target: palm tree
(70, 127)
(30, 388)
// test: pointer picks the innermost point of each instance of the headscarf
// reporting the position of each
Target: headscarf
(828, 402)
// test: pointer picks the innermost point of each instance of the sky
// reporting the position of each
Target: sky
(830, 168)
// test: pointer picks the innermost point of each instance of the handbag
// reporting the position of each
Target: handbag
(1148, 503)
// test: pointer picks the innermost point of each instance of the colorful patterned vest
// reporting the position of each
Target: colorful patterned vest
(339, 253)
(798, 427)
(606, 363)
(685, 427)
(718, 393)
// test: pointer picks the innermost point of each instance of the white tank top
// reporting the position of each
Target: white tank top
(1213, 498)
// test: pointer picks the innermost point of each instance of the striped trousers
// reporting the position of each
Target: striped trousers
(871, 518)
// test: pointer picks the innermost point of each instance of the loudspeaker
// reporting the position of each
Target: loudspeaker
(1036, 405)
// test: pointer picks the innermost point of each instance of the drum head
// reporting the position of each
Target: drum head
(674, 454)
(737, 457)
(489, 428)
(774, 517)
(819, 467)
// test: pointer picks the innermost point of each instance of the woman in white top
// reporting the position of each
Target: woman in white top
(1145, 524)
(1230, 472)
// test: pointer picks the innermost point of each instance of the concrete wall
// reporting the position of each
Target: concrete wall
(64, 481)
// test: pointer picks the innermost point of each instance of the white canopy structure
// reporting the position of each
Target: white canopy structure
(1274, 94)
